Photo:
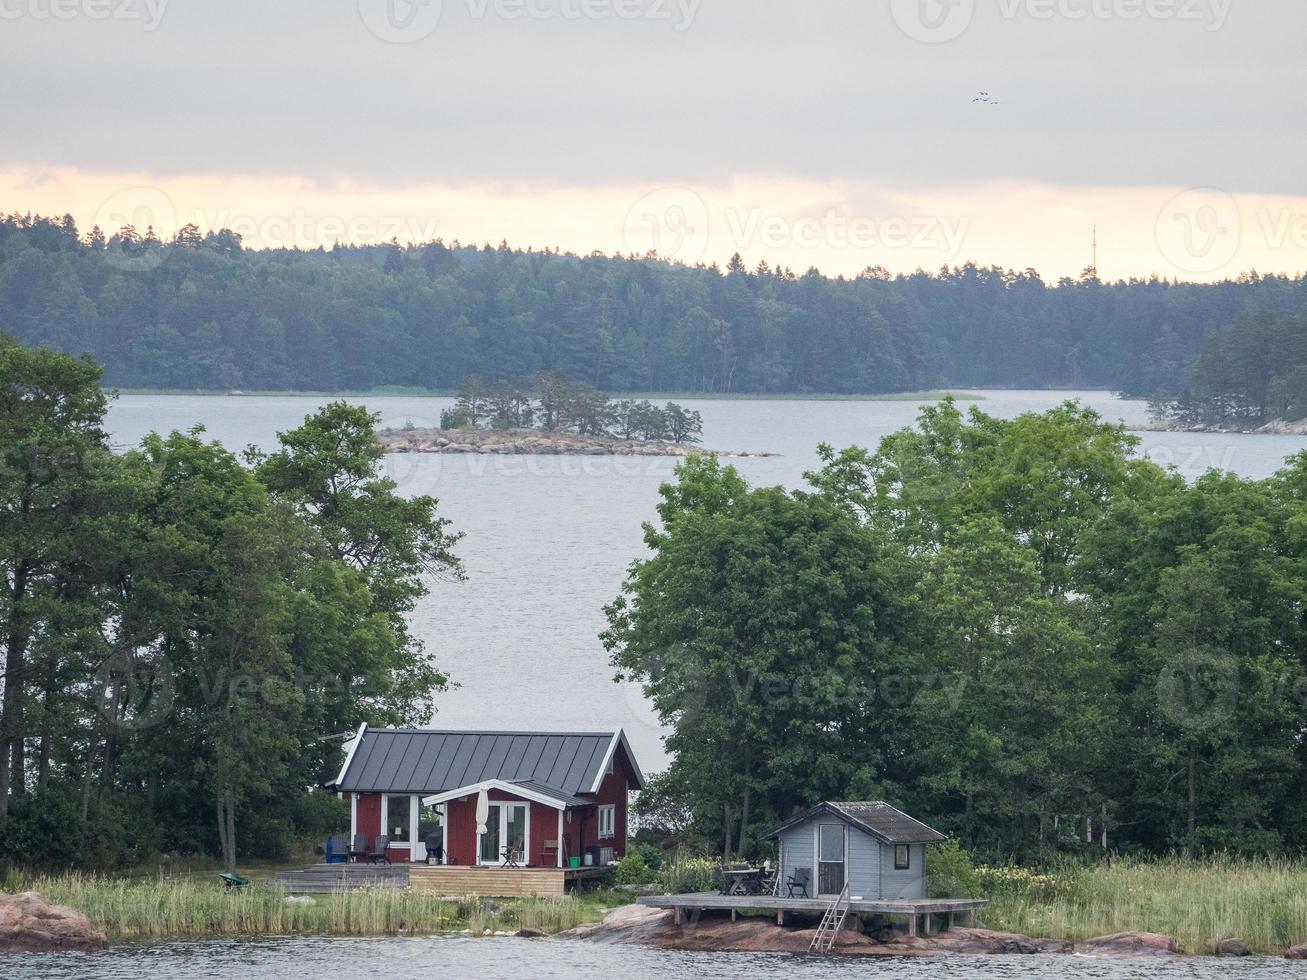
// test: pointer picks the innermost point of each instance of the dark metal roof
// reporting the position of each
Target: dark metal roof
(552, 792)
(419, 761)
(882, 821)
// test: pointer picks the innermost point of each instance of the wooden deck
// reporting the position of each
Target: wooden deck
(323, 879)
(917, 911)
(498, 882)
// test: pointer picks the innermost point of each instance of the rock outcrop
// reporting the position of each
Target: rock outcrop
(640, 925)
(1297, 953)
(31, 924)
(1233, 947)
(531, 442)
(1130, 944)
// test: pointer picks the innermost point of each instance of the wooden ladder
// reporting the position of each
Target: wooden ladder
(831, 923)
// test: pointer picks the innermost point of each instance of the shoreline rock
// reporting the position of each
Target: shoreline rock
(643, 926)
(535, 442)
(1278, 427)
(30, 923)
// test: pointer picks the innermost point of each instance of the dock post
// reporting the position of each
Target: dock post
(925, 919)
(680, 916)
(780, 917)
(732, 915)
(949, 927)
(912, 925)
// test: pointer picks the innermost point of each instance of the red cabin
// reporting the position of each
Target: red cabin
(489, 799)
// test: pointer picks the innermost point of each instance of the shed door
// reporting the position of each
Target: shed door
(830, 858)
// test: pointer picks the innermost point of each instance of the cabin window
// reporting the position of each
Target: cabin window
(902, 857)
(608, 821)
(399, 817)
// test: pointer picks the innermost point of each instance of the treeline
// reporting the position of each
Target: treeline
(1019, 631)
(1251, 374)
(557, 403)
(184, 631)
(201, 311)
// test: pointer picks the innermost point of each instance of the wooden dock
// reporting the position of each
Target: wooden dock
(918, 912)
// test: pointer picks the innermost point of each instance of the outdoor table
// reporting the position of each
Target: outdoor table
(743, 882)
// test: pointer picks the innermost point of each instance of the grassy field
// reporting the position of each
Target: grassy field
(192, 907)
(1198, 902)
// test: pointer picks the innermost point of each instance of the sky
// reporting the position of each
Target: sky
(839, 134)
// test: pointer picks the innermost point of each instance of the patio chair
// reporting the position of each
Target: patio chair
(435, 844)
(337, 850)
(380, 853)
(798, 882)
(233, 882)
(358, 851)
(513, 857)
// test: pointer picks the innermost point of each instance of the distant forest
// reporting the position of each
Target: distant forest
(200, 311)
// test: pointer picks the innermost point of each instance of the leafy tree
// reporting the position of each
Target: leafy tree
(51, 441)
(760, 627)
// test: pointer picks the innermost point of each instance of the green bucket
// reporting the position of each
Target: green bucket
(574, 862)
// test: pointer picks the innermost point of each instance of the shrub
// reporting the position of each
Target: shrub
(684, 875)
(650, 854)
(950, 872)
(632, 870)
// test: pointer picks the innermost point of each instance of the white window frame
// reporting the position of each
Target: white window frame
(607, 821)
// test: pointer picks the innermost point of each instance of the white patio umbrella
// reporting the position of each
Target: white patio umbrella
(483, 812)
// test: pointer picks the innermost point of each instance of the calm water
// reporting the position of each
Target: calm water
(515, 959)
(549, 539)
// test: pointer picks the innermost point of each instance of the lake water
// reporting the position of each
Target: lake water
(401, 959)
(549, 539)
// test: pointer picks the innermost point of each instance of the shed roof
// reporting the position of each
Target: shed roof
(410, 760)
(884, 822)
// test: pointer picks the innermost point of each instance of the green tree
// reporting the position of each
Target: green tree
(51, 441)
(759, 628)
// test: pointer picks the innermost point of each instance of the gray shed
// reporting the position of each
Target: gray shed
(878, 850)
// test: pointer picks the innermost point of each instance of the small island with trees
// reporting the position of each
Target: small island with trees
(553, 415)
(1251, 377)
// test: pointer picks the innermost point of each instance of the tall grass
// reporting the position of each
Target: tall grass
(1198, 902)
(153, 908)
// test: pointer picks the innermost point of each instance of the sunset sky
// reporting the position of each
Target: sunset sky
(821, 133)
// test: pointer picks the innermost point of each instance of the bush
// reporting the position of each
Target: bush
(684, 875)
(950, 872)
(632, 870)
(650, 855)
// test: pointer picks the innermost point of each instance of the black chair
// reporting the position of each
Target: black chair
(380, 851)
(337, 850)
(799, 881)
(435, 844)
(358, 851)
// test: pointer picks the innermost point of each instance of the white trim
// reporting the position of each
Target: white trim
(499, 784)
(560, 838)
(354, 818)
(610, 808)
(816, 854)
(619, 738)
(353, 744)
(410, 845)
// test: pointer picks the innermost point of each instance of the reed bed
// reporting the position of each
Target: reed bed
(1197, 901)
(157, 908)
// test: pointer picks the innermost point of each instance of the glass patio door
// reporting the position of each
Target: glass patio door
(505, 831)
(491, 848)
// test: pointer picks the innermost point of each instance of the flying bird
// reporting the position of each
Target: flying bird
(986, 99)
